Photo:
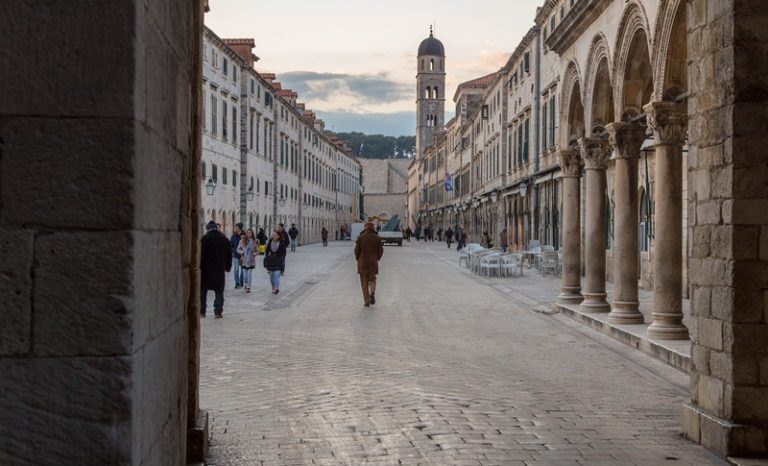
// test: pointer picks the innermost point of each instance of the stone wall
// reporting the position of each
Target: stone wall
(728, 214)
(98, 193)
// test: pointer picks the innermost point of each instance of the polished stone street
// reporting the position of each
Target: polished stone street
(445, 369)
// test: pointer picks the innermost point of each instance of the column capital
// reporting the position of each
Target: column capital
(595, 152)
(570, 163)
(626, 139)
(668, 121)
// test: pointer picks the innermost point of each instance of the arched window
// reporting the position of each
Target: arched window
(436, 96)
(431, 64)
(428, 93)
(645, 221)
(422, 63)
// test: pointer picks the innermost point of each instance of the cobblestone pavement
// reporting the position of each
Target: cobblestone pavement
(445, 369)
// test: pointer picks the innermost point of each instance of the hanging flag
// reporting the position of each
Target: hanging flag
(448, 183)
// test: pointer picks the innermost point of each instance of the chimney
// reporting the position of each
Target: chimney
(243, 47)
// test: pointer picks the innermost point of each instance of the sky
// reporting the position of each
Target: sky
(354, 61)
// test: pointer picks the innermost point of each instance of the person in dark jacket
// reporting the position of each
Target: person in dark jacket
(368, 252)
(324, 236)
(261, 236)
(215, 262)
(440, 234)
(293, 233)
(283, 235)
(234, 242)
(449, 237)
(274, 260)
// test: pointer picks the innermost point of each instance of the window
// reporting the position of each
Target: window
(544, 125)
(431, 64)
(214, 57)
(234, 73)
(234, 124)
(552, 121)
(224, 119)
(214, 112)
(266, 188)
(202, 104)
(224, 175)
(234, 177)
(225, 66)
(527, 62)
(250, 132)
(214, 173)
(202, 171)
(525, 139)
(552, 23)
(253, 86)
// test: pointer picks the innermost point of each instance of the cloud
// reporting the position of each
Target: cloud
(358, 88)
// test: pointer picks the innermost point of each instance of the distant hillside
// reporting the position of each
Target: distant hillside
(378, 146)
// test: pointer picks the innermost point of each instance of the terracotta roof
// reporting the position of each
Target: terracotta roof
(479, 83)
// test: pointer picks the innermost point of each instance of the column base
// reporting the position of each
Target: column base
(594, 302)
(197, 439)
(667, 330)
(570, 295)
(722, 436)
(625, 313)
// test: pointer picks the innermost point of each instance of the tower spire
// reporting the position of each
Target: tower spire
(430, 30)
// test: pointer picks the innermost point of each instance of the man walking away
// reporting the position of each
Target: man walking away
(293, 233)
(324, 236)
(368, 252)
(461, 239)
(440, 234)
(449, 237)
(408, 234)
(215, 261)
(234, 242)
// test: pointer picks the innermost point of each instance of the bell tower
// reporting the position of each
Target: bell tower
(430, 91)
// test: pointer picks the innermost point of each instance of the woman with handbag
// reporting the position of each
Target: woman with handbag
(274, 260)
(248, 249)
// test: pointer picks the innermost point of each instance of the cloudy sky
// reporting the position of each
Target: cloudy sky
(354, 61)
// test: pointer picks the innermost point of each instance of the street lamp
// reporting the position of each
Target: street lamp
(494, 195)
(281, 201)
(523, 189)
(249, 195)
(210, 187)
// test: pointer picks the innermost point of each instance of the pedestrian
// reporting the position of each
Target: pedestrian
(248, 249)
(408, 234)
(283, 235)
(503, 240)
(461, 239)
(274, 260)
(215, 262)
(486, 241)
(418, 232)
(324, 236)
(234, 241)
(261, 236)
(449, 237)
(293, 233)
(440, 234)
(368, 252)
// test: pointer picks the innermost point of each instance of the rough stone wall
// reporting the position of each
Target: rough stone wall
(96, 156)
(394, 204)
(728, 218)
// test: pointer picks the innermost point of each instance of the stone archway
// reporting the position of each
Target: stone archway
(572, 108)
(671, 54)
(633, 68)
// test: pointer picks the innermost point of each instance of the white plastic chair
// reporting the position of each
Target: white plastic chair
(489, 263)
(466, 253)
(511, 263)
(548, 263)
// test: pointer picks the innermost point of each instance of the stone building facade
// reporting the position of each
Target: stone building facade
(386, 185)
(601, 137)
(266, 158)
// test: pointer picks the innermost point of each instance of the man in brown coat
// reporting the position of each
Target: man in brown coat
(368, 251)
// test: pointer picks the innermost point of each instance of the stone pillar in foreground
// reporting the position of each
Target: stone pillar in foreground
(667, 120)
(626, 139)
(728, 221)
(595, 152)
(570, 164)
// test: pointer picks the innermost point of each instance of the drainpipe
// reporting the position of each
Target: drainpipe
(537, 97)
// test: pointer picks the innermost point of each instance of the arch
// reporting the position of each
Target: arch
(671, 50)
(437, 96)
(572, 110)
(632, 64)
(431, 64)
(428, 93)
(598, 87)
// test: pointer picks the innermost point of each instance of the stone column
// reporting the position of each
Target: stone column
(626, 139)
(595, 153)
(668, 122)
(570, 164)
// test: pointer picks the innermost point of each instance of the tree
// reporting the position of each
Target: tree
(378, 146)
